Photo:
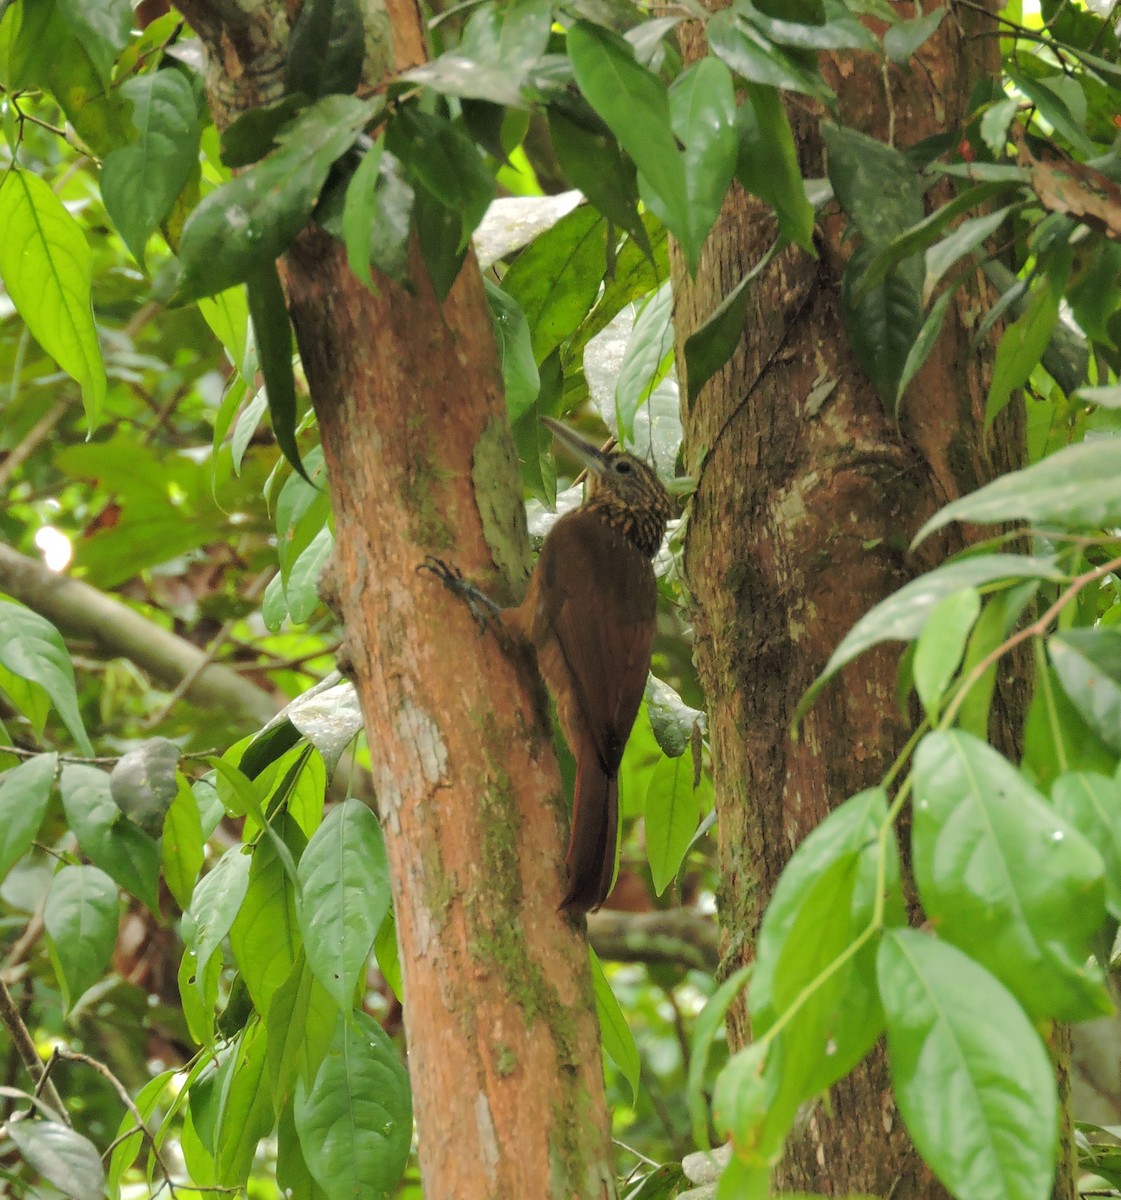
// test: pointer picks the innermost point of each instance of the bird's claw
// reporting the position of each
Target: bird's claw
(452, 578)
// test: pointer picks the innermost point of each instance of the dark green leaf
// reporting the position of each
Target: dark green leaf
(1006, 879)
(24, 792)
(922, 346)
(273, 337)
(244, 1112)
(81, 918)
(251, 220)
(964, 239)
(143, 783)
(874, 184)
(709, 1023)
(253, 134)
(1021, 348)
(839, 33)
(1092, 804)
(1078, 487)
(767, 163)
(439, 229)
(355, 1121)
(326, 48)
(102, 26)
(953, 1030)
(301, 1022)
(141, 181)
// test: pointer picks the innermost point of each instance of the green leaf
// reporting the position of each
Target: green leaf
(884, 322)
(941, 645)
(672, 720)
(252, 134)
(103, 28)
(961, 241)
(822, 903)
(520, 378)
(250, 221)
(922, 346)
(1092, 804)
(140, 182)
(1021, 348)
(355, 1121)
(953, 1030)
(440, 231)
(47, 270)
(1004, 878)
(767, 163)
(61, 1155)
(1088, 664)
(218, 897)
(24, 792)
(388, 959)
(265, 935)
(325, 48)
(702, 106)
(615, 1033)
(594, 162)
(128, 1140)
(874, 184)
(244, 1114)
(302, 511)
(646, 361)
(633, 102)
(273, 336)
(302, 587)
(838, 33)
(557, 278)
(709, 1023)
(106, 836)
(360, 212)
(755, 58)
(672, 811)
(81, 916)
(901, 616)
(1078, 487)
(301, 1022)
(902, 39)
(344, 894)
(181, 850)
(143, 783)
(743, 1103)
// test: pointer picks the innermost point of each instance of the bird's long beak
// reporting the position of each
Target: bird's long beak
(587, 452)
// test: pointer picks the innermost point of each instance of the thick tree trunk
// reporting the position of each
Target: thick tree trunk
(503, 1043)
(807, 496)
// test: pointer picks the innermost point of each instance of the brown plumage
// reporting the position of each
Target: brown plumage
(589, 613)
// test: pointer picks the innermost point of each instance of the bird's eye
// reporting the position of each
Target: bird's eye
(622, 467)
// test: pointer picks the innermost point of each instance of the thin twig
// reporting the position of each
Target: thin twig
(38, 433)
(29, 1056)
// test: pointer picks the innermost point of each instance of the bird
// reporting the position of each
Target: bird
(589, 613)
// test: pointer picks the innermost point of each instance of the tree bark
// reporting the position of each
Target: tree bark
(807, 496)
(504, 1052)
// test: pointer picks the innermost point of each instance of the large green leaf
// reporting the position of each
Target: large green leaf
(1078, 487)
(251, 220)
(634, 103)
(24, 792)
(344, 894)
(102, 26)
(62, 1156)
(143, 783)
(244, 1112)
(971, 1077)
(767, 163)
(30, 647)
(754, 57)
(141, 181)
(181, 848)
(702, 107)
(355, 1121)
(1088, 664)
(672, 810)
(325, 48)
(47, 270)
(874, 183)
(1021, 348)
(301, 1022)
(80, 916)
(215, 904)
(1005, 878)
(1092, 804)
(520, 378)
(941, 645)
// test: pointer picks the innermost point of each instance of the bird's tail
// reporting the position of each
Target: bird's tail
(591, 846)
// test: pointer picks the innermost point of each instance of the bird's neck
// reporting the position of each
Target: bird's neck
(641, 527)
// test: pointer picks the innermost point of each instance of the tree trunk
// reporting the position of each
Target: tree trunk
(807, 496)
(504, 1052)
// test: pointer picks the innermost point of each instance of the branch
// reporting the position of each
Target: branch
(119, 631)
(677, 936)
(29, 1056)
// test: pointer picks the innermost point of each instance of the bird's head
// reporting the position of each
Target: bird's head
(622, 488)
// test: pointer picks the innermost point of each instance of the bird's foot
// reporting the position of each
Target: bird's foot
(482, 607)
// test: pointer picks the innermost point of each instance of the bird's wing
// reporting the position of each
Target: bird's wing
(598, 598)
